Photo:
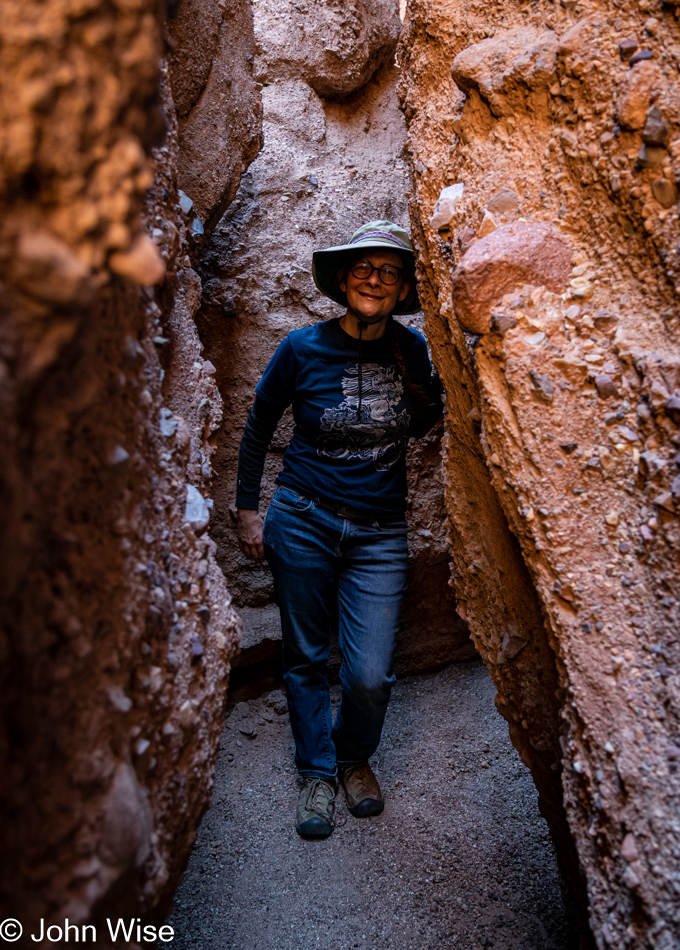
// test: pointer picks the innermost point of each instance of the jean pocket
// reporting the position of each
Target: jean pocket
(390, 527)
(290, 500)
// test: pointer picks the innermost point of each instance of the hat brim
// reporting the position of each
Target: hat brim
(327, 263)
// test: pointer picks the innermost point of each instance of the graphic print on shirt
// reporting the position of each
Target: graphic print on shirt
(381, 433)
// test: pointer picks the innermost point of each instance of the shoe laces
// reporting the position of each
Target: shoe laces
(319, 795)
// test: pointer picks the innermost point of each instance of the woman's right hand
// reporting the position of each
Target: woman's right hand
(249, 526)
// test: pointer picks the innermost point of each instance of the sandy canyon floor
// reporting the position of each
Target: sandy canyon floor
(459, 858)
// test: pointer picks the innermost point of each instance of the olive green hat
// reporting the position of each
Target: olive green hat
(372, 236)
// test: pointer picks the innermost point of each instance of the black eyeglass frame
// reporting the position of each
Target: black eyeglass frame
(387, 283)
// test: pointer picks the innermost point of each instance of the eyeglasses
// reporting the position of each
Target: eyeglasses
(388, 274)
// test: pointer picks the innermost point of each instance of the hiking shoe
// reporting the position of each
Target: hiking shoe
(362, 791)
(316, 809)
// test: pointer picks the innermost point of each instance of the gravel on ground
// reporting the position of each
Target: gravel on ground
(459, 858)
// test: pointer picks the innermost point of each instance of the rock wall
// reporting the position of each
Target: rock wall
(117, 629)
(326, 167)
(549, 282)
(218, 104)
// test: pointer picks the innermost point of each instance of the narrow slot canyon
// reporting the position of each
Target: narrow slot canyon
(166, 171)
(324, 166)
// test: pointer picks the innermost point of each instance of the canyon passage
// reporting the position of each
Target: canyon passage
(166, 171)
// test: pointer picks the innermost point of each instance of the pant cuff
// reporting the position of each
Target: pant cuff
(312, 773)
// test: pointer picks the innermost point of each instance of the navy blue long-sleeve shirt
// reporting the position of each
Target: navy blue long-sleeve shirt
(353, 415)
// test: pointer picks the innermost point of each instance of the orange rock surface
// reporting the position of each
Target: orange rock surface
(563, 482)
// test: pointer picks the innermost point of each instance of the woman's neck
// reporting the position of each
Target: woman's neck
(369, 331)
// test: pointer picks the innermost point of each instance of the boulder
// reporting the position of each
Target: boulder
(508, 257)
(335, 49)
(509, 69)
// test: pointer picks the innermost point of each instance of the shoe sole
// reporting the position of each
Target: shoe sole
(367, 808)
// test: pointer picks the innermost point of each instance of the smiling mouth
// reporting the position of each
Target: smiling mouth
(370, 296)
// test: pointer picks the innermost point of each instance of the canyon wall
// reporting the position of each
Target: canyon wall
(333, 158)
(549, 277)
(117, 629)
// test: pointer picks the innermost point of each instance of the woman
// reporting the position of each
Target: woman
(335, 534)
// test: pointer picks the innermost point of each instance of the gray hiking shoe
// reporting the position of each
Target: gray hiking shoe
(316, 809)
(362, 791)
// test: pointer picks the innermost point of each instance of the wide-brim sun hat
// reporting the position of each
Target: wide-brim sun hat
(376, 235)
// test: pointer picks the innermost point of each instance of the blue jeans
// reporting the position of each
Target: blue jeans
(327, 567)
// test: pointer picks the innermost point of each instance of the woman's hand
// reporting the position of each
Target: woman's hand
(249, 526)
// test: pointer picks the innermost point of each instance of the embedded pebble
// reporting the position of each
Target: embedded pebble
(186, 205)
(672, 408)
(168, 423)
(543, 386)
(502, 201)
(445, 207)
(627, 47)
(247, 728)
(581, 287)
(488, 224)
(142, 264)
(656, 130)
(634, 94)
(117, 456)
(665, 192)
(197, 512)
(605, 385)
(641, 56)
(650, 156)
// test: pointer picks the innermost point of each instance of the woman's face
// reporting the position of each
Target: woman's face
(369, 298)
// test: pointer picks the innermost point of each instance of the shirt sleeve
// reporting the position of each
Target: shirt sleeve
(262, 421)
(435, 407)
(425, 377)
(277, 384)
(273, 394)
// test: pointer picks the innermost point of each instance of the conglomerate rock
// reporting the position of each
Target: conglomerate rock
(117, 629)
(333, 45)
(326, 168)
(563, 483)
